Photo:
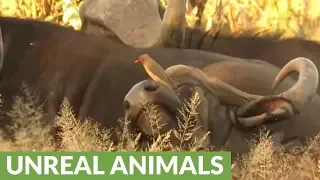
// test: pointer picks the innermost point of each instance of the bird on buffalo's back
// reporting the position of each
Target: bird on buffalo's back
(154, 70)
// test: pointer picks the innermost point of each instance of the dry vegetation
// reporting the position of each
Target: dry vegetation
(262, 162)
(63, 12)
(300, 18)
(295, 18)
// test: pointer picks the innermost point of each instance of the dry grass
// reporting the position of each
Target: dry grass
(262, 162)
(63, 12)
(295, 18)
(32, 134)
(298, 18)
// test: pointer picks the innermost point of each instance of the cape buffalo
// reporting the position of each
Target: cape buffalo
(270, 49)
(231, 115)
(95, 73)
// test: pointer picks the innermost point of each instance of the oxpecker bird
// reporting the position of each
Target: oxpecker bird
(154, 70)
(157, 73)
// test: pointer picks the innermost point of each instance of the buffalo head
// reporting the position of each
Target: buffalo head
(222, 106)
(135, 22)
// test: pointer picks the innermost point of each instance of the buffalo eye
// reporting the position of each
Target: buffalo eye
(185, 92)
(151, 86)
(126, 105)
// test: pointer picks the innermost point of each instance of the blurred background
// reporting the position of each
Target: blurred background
(293, 18)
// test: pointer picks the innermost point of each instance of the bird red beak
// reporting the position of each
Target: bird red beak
(137, 61)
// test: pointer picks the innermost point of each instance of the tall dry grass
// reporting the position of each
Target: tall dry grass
(31, 133)
(63, 12)
(295, 18)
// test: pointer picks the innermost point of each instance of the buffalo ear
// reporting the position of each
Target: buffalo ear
(265, 110)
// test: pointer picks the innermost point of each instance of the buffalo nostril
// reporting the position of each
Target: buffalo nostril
(151, 86)
(126, 105)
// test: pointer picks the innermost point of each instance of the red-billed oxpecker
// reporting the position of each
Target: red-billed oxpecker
(154, 70)
(156, 73)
